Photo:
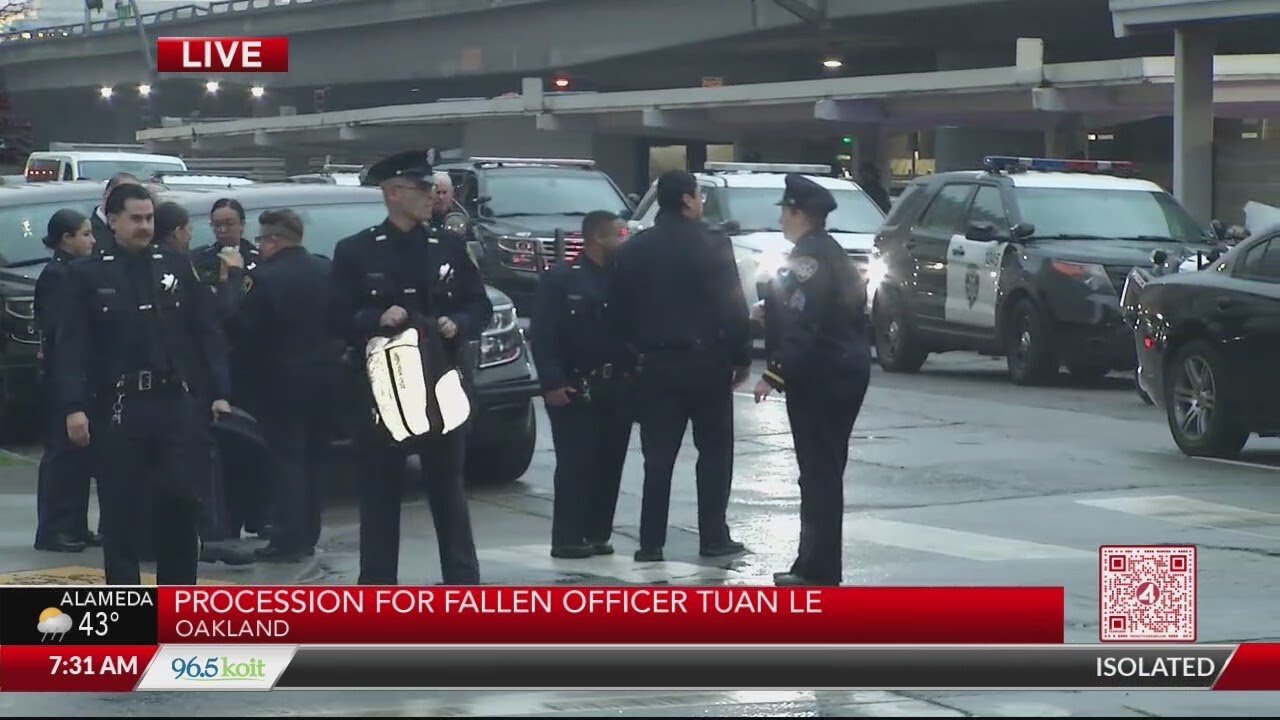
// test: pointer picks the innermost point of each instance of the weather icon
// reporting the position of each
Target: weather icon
(53, 622)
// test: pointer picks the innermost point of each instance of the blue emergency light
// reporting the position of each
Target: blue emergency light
(998, 163)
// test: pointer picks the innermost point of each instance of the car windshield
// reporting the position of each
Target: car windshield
(23, 227)
(323, 225)
(1107, 214)
(757, 209)
(141, 169)
(575, 192)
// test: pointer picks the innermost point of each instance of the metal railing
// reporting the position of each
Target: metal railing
(118, 24)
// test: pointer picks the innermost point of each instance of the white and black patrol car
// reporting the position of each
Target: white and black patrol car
(1024, 259)
(742, 199)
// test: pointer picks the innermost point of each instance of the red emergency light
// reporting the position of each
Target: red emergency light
(998, 163)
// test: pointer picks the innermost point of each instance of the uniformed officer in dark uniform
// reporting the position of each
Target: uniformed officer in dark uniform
(223, 266)
(104, 239)
(680, 308)
(62, 491)
(291, 349)
(136, 332)
(583, 366)
(820, 358)
(384, 277)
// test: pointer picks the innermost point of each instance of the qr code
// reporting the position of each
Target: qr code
(1147, 593)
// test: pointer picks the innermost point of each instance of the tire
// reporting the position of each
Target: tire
(504, 458)
(897, 348)
(1029, 345)
(1198, 405)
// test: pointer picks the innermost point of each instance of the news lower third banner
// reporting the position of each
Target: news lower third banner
(107, 639)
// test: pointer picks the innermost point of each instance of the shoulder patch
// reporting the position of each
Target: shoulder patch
(804, 267)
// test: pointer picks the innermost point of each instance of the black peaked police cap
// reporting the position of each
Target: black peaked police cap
(808, 196)
(413, 165)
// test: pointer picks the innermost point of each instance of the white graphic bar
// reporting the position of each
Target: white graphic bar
(217, 667)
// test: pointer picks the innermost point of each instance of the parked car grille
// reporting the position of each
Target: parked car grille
(572, 247)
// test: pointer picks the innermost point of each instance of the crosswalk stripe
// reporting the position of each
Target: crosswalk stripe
(620, 567)
(1187, 511)
(955, 543)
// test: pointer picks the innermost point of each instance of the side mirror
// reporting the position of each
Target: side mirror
(1023, 230)
(1219, 229)
(484, 199)
(634, 198)
(981, 231)
(730, 227)
(625, 214)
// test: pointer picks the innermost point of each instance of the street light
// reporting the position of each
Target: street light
(105, 92)
(832, 63)
(212, 86)
(144, 89)
(257, 91)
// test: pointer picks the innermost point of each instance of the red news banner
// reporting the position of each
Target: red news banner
(204, 638)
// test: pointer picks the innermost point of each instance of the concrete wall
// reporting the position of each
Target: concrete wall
(621, 157)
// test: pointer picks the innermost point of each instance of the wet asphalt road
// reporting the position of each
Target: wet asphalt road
(956, 477)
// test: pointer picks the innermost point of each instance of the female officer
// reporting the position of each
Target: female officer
(819, 357)
(62, 491)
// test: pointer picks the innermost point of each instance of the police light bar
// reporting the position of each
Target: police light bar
(767, 167)
(997, 163)
(566, 162)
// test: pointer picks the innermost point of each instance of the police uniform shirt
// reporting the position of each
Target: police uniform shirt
(129, 312)
(816, 303)
(277, 322)
(572, 330)
(208, 265)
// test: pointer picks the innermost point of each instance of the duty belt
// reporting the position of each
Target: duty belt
(146, 381)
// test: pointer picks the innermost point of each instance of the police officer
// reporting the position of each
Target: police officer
(105, 240)
(290, 347)
(136, 332)
(681, 310)
(820, 358)
(582, 365)
(385, 277)
(62, 492)
(223, 266)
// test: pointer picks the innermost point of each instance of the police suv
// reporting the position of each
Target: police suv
(1024, 259)
(742, 199)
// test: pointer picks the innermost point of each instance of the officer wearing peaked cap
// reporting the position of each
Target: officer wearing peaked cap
(384, 279)
(820, 359)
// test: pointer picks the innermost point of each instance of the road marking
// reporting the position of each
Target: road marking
(76, 575)
(1187, 511)
(617, 566)
(955, 543)
(1242, 463)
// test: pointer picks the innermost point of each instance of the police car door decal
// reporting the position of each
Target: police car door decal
(973, 273)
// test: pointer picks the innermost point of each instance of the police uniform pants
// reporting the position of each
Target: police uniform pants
(821, 425)
(674, 390)
(297, 433)
(381, 491)
(144, 462)
(591, 441)
(62, 490)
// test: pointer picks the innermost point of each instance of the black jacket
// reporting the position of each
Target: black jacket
(573, 331)
(814, 319)
(51, 288)
(676, 285)
(130, 312)
(104, 241)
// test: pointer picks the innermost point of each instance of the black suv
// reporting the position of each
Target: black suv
(24, 218)
(1025, 259)
(518, 205)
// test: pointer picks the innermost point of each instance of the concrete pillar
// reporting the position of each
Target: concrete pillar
(1193, 121)
(1067, 140)
(962, 148)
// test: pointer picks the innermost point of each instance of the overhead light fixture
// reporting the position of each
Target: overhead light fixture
(561, 82)
(105, 92)
(144, 89)
(257, 91)
(832, 62)
(212, 86)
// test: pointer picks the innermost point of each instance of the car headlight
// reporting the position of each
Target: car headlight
(1090, 275)
(502, 341)
(877, 271)
(519, 253)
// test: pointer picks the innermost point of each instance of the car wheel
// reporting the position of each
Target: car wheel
(507, 456)
(1030, 353)
(1198, 407)
(897, 347)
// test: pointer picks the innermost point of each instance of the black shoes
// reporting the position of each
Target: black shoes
(790, 579)
(601, 548)
(231, 553)
(571, 552)
(643, 555)
(92, 539)
(276, 554)
(62, 544)
(728, 547)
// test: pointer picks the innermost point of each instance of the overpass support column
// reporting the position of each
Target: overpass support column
(1193, 121)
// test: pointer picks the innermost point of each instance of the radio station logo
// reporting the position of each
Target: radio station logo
(53, 623)
(222, 54)
(217, 667)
